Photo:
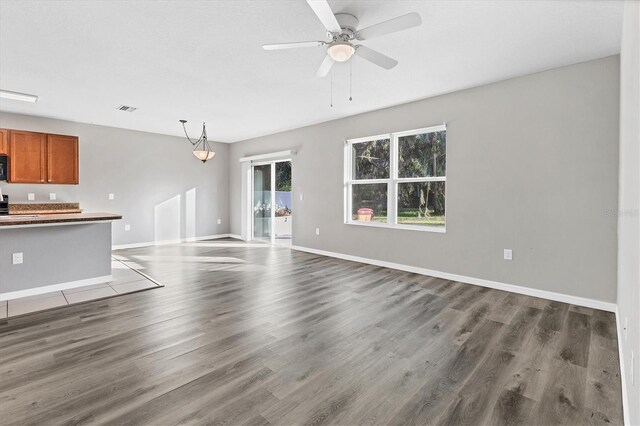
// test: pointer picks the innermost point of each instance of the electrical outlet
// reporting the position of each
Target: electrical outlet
(31, 196)
(52, 196)
(112, 196)
(317, 231)
(301, 197)
(127, 227)
(17, 258)
(219, 221)
(508, 254)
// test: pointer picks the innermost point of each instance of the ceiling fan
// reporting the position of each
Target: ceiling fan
(342, 32)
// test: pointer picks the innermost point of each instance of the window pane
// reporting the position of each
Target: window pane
(422, 155)
(369, 202)
(421, 203)
(371, 159)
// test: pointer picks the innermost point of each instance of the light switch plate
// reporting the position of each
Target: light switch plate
(219, 221)
(31, 196)
(301, 197)
(317, 231)
(508, 254)
(127, 227)
(17, 258)
(52, 196)
(112, 196)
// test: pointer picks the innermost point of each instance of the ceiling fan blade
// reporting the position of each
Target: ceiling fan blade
(391, 26)
(325, 67)
(323, 11)
(376, 57)
(293, 45)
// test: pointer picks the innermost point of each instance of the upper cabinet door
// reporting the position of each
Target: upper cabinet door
(62, 159)
(4, 141)
(28, 162)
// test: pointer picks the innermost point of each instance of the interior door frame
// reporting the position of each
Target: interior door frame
(272, 163)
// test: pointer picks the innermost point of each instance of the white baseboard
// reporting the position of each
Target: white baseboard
(559, 297)
(133, 245)
(623, 381)
(55, 287)
(237, 237)
(165, 242)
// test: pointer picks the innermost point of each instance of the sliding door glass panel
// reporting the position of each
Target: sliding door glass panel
(282, 220)
(262, 201)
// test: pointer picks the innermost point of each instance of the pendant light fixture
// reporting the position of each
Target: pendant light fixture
(202, 150)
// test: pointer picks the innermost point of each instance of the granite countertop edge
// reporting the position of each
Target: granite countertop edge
(10, 220)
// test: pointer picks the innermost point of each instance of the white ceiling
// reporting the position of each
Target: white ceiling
(203, 61)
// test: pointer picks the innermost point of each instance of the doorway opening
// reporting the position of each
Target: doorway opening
(271, 202)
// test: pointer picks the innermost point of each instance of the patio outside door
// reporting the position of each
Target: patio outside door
(271, 202)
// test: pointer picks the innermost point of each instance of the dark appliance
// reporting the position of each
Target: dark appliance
(4, 205)
(4, 167)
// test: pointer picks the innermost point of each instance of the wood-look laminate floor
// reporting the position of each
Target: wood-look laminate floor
(253, 334)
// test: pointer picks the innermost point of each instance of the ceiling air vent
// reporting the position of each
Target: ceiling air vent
(126, 108)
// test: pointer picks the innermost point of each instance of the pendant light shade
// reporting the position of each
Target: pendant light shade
(203, 155)
(202, 150)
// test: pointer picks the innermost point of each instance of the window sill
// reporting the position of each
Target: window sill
(436, 229)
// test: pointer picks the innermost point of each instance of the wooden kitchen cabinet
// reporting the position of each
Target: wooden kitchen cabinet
(62, 159)
(42, 158)
(4, 141)
(27, 160)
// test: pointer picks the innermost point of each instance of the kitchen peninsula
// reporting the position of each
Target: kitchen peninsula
(40, 253)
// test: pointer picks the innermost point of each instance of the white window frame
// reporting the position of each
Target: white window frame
(392, 182)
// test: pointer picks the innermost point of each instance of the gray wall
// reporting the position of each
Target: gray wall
(532, 166)
(143, 170)
(629, 203)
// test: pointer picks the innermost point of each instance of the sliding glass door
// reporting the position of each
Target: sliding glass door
(271, 202)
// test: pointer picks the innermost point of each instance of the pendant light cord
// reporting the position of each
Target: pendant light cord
(202, 136)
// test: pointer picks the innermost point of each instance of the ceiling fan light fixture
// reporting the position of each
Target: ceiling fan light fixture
(341, 51)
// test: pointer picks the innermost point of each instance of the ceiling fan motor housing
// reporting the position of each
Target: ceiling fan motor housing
(348, 23)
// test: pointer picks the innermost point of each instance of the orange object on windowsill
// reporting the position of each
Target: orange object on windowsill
(365, 214)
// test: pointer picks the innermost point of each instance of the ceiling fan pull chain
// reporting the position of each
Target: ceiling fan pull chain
(350, 66)
(331, 96)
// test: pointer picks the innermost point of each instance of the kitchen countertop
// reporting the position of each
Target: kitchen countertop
(46, 219)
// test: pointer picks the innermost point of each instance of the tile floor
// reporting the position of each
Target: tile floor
(125, 280)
